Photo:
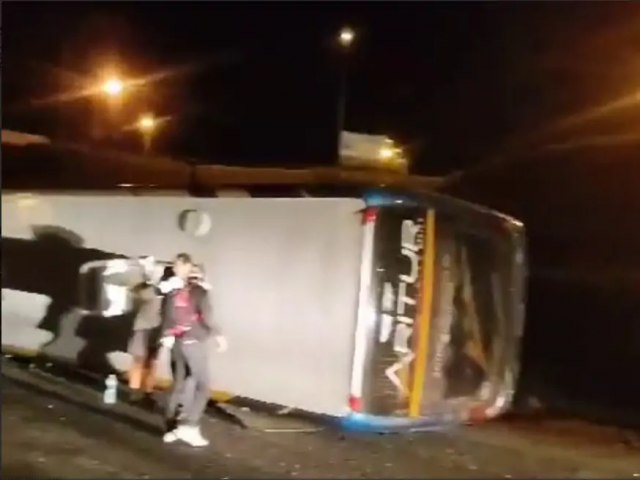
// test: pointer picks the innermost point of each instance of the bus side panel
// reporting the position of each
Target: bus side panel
(284, 276)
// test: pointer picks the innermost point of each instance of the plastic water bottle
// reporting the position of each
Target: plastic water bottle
(111, 391)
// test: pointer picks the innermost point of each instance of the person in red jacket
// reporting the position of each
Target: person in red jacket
(187, 325)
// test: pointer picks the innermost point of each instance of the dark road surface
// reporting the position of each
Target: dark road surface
(54, 428)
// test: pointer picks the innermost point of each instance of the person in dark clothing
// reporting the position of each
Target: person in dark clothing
(187, 325)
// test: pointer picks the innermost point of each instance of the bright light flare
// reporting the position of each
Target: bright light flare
(386, 153)
(346, 37)
(147, 123)
(113, 87)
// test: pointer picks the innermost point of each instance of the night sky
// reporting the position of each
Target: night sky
(257, 83)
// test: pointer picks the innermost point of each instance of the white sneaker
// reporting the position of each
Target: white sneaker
(170, 437)
(191, 435)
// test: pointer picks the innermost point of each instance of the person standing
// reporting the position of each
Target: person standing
(143, 345)
(187, 325)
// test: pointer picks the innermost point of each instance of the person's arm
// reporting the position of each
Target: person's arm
(169, 332)
(206, 313)
(170, 284)
(165, 317)
(148, 292)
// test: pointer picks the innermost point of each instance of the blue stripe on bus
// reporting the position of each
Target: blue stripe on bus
(378, 198)
(363, 422)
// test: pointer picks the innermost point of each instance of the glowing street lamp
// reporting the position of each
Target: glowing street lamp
(346, 37)
(147, 123)
(107, 96)
(113, 87)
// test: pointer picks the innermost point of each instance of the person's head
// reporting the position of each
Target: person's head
(182, 266)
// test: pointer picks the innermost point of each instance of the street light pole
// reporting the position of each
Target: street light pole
(345, 39)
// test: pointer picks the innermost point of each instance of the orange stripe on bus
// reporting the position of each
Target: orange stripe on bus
(424, 320)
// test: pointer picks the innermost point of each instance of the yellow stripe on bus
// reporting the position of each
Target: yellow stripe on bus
(424, 320)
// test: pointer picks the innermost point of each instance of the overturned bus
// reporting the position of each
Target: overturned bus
(365, 298)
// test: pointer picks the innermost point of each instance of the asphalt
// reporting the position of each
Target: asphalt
(54, 427)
